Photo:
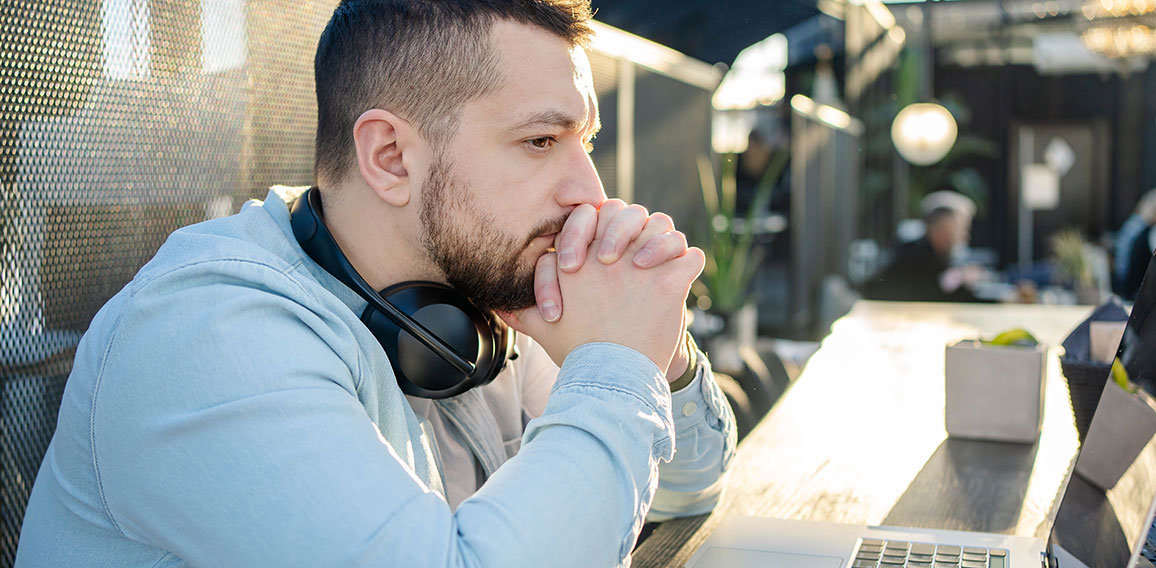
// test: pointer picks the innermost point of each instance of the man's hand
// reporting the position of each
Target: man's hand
(606, 232)
(640, 304)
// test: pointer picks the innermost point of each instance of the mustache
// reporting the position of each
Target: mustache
(548, 227)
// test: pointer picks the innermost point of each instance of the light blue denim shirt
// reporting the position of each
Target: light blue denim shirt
(228, 408)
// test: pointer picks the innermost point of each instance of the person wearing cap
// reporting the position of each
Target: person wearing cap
(921, 270)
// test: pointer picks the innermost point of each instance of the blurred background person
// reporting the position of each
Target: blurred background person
(1134, 245)
(925, 270)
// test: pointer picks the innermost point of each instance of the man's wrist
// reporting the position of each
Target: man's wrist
(687, 374)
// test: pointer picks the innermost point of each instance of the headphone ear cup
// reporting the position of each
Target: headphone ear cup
(430, 367)
(420, 371)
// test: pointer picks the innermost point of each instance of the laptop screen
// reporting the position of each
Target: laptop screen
(1106, 512)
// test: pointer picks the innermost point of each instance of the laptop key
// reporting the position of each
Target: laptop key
(947, 559)
(998, 562)
(864, 564)
(997, 552)
(921, 557)
(949, 549)
(898, 544)
(923, 548)
(974, 557)
(974, 550)
(918, 565)
(973, 564)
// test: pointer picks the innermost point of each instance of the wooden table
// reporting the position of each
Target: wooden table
(859, 437)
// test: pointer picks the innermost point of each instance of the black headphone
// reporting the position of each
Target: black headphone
(449, 345)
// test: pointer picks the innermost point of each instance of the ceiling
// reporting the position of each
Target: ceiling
(713, 31)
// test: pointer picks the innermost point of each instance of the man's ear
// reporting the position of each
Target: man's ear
(381, 138)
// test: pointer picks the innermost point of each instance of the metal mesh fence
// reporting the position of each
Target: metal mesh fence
(120, 121)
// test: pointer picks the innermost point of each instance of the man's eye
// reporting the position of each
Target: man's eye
(542, 142)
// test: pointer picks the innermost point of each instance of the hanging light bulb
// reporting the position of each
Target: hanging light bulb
(924, 133)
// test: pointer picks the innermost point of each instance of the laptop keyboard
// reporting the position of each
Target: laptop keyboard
(876, 553)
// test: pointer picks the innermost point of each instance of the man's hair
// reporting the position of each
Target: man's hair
(938, 215)
(419, 59)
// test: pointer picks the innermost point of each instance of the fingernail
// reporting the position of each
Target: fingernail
(643, 257)
(606, 251)
(549, 311)
(567, 259)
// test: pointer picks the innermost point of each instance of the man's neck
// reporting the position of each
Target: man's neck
(381, 241)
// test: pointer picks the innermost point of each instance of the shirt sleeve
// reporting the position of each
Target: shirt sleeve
(705, 437)
(228, 431)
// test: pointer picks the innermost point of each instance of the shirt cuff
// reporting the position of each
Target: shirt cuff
(613, 368)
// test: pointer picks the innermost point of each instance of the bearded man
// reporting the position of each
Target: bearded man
(235, 404)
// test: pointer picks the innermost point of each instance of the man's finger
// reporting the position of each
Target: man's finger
(606, 213)
(656, 225)
(575, 237)
(620, 231)
(661, 248)
(695, 261)
(547, 293)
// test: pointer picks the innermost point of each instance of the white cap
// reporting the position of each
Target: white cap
(945, 199)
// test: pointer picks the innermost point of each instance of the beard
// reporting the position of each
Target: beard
(482, 262)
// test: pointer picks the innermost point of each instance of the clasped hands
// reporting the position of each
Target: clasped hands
(633, 295)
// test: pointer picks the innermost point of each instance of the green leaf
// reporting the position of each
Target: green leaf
(731, 259)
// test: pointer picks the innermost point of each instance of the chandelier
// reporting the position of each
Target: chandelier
(1120, 28)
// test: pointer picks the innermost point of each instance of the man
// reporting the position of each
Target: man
(228, 407)
(1134, 246)
(922, 270)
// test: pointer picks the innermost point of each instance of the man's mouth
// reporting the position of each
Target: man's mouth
(549, 237)
(547, 231)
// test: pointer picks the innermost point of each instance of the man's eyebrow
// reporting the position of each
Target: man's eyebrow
(555, 118)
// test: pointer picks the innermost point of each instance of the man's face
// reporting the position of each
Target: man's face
(951, 233)
(961, 230)
(516, 167)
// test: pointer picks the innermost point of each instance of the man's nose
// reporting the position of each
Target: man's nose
(580, 183)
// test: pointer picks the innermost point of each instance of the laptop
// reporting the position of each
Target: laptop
(1093, 526)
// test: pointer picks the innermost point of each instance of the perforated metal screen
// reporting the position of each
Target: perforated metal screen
(121, 120)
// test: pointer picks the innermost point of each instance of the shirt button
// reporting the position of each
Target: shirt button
(689, 408)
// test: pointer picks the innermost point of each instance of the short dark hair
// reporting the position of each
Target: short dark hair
(419, 59)
(938, 215)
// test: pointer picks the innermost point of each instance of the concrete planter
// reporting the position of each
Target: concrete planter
(994, 392)
(1123, 425)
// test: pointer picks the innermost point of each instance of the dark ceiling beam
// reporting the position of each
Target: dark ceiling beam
(713, 31)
